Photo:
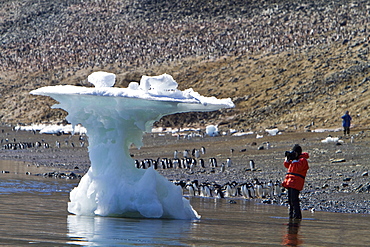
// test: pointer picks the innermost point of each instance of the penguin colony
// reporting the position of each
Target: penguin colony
(190, 160)
(17, 145)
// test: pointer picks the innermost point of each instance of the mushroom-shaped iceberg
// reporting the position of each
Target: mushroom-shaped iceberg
(115, 118)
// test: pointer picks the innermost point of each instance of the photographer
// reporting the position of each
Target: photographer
(297, 165)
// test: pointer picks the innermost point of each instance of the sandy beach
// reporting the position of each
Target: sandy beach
(337, 180)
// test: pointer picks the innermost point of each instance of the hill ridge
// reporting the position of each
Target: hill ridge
(285, 64)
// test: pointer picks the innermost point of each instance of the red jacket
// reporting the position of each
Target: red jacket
(296, 173)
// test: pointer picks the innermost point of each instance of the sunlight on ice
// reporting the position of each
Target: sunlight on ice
(114, 119)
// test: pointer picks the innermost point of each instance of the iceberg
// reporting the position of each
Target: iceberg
(116, 118)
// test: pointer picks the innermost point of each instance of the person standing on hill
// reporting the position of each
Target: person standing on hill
(346, 122)
(297, 165)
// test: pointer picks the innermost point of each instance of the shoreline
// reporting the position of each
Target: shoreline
(337, 180)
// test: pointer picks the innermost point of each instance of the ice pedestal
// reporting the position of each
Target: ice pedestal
(115, 118)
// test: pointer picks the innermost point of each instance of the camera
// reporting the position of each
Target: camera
(291, 155)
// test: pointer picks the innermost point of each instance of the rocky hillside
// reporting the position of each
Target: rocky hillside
(285, 64)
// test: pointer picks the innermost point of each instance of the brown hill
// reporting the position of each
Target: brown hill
(285, 64)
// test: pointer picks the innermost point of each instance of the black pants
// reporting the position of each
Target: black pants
(294, 207)
(346, 130)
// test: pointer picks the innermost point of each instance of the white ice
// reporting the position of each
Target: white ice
(272, 132)
(102, 79)
(212, 130)
(326, 130)
(115, 118)
(53, 129)
(330, 139)
(243, 133)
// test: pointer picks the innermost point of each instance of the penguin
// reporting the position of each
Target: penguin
(269, 189)
(142, 164)
(212, 162)
(277, 189)
(228, 190)
(169, 163)
(149, 163)
(183, 163)
(191, 190)
(245, 191)
(258, 189)
(185, 153)
(234, 189)
(163, 164)
(194, 162)
(222, 167)
(191, 166)
(264, 190)
(176, 163)
(175, 154)
(137, 164)
(203, 150)
(252, 165)
(181, 183)
(201, 163)
(251, 190)
(201, 190)
(154, 163)
(195, 184)
(207, 190)
(219, 193)
(228, 162)
(187, 163)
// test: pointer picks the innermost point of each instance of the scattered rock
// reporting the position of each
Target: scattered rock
(337, 160)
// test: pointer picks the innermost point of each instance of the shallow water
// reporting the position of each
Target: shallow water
(34, 211)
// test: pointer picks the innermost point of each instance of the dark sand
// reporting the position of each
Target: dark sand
(337, 180)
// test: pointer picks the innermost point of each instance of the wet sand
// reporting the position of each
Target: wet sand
(337, 180)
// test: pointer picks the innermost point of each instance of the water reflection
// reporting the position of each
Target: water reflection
(222, 224)
(292, 237)
(34, 210)
(107, 231)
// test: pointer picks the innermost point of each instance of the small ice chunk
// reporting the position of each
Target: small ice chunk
(330, 139)
(212, 130)
(158, 85)
(133, 85)
(272, 132)
(102, 79)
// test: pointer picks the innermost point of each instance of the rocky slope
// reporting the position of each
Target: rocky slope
(285, 64)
